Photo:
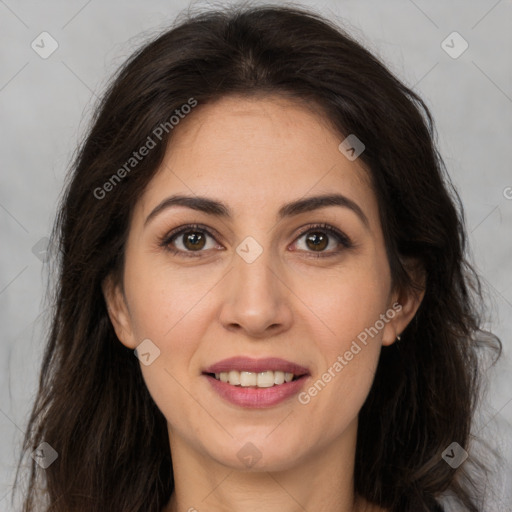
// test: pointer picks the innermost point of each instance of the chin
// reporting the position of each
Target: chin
(259, 452)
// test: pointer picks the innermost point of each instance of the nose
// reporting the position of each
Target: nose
(256, 298)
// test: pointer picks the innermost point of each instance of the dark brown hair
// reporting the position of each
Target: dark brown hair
(93, 407)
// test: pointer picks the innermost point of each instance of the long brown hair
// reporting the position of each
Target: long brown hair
(93, 407)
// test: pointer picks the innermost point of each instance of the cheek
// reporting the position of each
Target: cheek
(170, 309)
(345, 302)
(350, 304)
(173, 309)
(165, 301)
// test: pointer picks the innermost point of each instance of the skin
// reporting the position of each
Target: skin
(255, 155)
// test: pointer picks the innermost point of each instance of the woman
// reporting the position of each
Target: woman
(260, 215)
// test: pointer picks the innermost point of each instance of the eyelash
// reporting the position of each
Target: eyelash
(167, 239)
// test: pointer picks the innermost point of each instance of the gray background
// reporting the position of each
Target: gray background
(45, 106)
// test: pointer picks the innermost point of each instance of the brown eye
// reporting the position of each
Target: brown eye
(193, 240)
(323, 239)
(317, 241)
(188, 241)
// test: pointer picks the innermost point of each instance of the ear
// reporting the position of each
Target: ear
(405, 303)
(118, 311)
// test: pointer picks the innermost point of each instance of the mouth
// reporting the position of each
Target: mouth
(256, 383)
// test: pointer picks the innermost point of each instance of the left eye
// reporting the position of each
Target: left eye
(316, 241)
(318, 238)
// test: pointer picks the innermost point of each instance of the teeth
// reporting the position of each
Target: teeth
(265, 379)
(234, 377)
(278, 378)
(248, 379)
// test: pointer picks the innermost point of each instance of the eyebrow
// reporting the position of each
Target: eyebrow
(219, 209)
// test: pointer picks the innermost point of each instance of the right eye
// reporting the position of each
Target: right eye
(187, 240)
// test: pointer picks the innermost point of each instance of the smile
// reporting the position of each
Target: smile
(256, 383)
(265, 379)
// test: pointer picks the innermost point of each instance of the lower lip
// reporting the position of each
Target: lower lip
(256, 398)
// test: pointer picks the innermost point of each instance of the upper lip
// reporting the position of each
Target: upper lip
(247, 364)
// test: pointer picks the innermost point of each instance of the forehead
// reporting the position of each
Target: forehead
(255, 153)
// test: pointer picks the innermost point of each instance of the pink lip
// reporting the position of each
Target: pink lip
(251, 396)
(257, 398)
(246, 364)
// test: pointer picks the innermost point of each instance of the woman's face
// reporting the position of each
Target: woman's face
(257, 280)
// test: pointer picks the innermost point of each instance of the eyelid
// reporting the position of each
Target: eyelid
(333, 231)
(166, 240)
(342, 239)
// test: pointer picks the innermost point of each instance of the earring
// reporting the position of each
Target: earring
(398, 337)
